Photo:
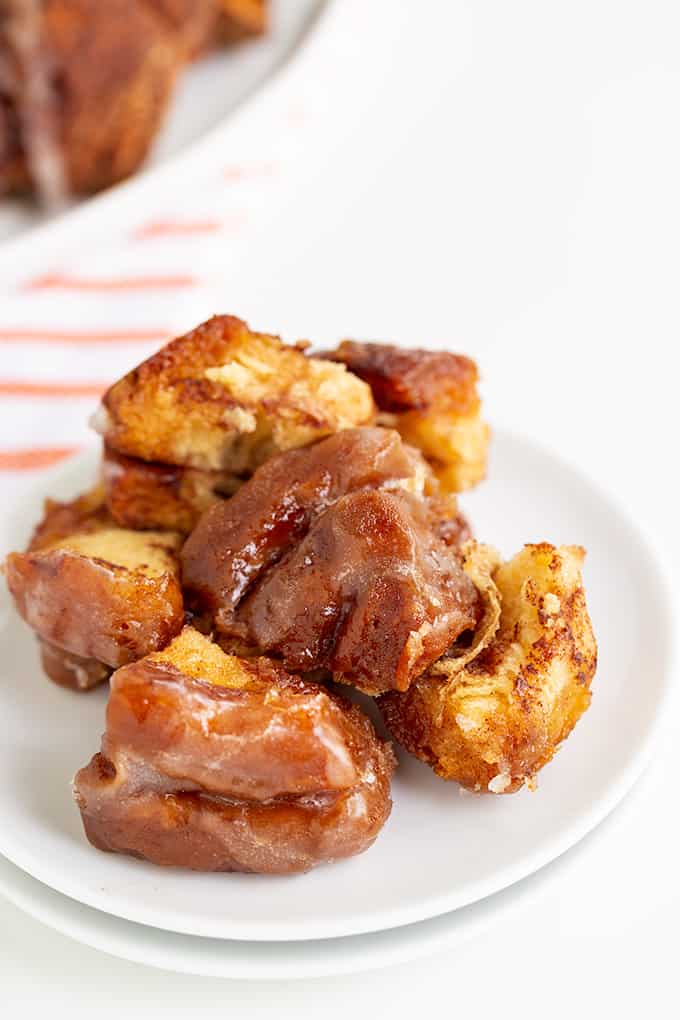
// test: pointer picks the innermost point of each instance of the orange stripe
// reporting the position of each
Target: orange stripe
(169, 228)
(53, 281)
(12, 388)
(30, 460)
(59, 336)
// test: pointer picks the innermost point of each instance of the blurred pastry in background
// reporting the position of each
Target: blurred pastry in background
(203, 24)
(84, 86)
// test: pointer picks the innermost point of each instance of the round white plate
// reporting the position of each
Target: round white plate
(439, 850)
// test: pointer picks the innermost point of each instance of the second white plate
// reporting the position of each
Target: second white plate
(230, 958)
(439, 850)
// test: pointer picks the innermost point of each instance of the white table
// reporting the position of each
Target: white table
(502, 177)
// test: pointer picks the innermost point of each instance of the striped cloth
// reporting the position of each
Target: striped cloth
(75, 319)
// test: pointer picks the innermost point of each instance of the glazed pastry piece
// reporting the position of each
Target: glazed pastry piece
(490, 720)
(331, 558)
(223, 398)
(388, 598)
(238, 539)
(238, 727)
(95, 590)
(217, 763)
(431, 398)
(72, 671)
(144, 495)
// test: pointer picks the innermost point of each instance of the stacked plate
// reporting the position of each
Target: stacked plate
(436, 873)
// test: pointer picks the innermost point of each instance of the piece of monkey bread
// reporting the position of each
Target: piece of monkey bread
(116, 65)
(222, 398)
(217, 763)
(94, 590)
(333, 557)
(431, 398)
(491, 719)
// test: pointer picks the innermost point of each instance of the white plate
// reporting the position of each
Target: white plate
(230, 958)
(439, 851)
(208, 91)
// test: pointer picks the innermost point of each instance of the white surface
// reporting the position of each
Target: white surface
(475, 846)
(501, 177)
(206, 93)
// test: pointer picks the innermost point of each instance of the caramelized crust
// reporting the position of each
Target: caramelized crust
(95, 590)
(217, 764)
(492, 721)
(142, 495)
(406, 379)
(223, 398)
(431, 398)
(330, 558)
(72, 671)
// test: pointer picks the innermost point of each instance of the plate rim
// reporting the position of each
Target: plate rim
(501, 879)
(371, 951)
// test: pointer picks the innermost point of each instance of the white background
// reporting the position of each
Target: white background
(503, 178)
